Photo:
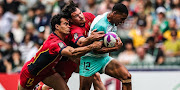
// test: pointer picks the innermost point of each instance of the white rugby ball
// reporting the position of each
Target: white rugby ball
(110, 39)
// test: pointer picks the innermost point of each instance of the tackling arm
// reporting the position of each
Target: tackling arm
(80, 51)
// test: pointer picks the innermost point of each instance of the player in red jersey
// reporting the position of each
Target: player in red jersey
(42, 66)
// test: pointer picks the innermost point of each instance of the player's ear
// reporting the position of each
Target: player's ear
(56, 26)
(114, 12)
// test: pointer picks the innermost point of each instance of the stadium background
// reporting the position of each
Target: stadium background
(24, 25)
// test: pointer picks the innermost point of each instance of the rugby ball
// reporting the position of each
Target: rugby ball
(110, 39)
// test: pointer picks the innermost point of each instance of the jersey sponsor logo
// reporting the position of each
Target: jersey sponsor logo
(75, 36)
(61, 45)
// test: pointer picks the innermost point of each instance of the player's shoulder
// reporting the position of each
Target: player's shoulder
(53, 39)
(88, 15)
(52, 36)
(56, 45)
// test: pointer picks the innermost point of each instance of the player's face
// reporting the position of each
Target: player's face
(78, 18)
(119, 19)
(64, 26)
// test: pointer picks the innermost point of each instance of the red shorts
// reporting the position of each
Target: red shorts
(29, 81)
(66, 68)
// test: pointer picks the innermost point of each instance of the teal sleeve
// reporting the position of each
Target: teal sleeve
(99, 28)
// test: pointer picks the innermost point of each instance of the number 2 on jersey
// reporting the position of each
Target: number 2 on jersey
(86, 65)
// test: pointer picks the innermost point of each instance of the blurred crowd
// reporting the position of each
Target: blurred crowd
(150, 34)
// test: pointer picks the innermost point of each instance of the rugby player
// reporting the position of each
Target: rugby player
(93, 62)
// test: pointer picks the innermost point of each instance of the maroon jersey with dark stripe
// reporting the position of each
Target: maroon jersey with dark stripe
(77, 31)
(48, 55)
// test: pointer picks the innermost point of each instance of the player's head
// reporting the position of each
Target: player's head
(74, 14)
(119, 14)
(60, 23)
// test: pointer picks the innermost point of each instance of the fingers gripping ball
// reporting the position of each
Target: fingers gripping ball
(110, 39)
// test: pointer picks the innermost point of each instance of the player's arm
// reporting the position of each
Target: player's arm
(80, 51)
(93, 37)
(118, 45)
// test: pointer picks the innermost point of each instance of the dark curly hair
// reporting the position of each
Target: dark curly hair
(56, 19)
(69, 8)
(120, 8)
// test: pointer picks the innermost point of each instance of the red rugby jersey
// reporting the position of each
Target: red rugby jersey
(48, 55)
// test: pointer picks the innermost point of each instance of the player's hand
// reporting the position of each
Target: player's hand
(96, 45)
(97, 35)
(118, 43)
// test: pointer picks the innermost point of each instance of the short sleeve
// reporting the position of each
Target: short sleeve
(99, 28)
(56, 48)
(76, 34)
(89, 16)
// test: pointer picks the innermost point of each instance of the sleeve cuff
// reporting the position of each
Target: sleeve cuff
(62, 49)
(78, 39)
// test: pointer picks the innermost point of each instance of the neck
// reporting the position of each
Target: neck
(109, 17)
(60, 35)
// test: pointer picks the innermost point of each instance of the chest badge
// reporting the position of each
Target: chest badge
(75, 36)
(61, 45)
